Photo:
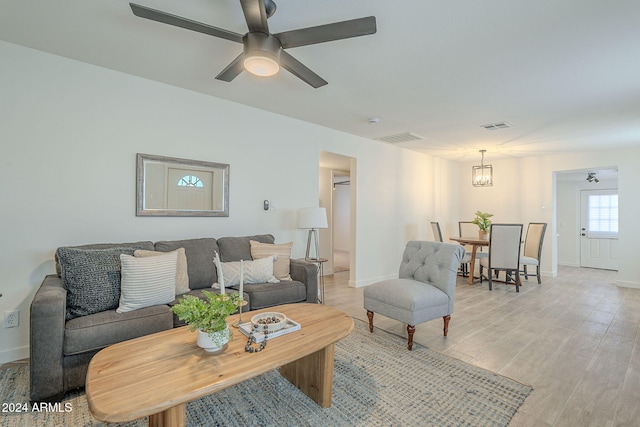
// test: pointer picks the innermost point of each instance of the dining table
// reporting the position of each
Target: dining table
(475, 243)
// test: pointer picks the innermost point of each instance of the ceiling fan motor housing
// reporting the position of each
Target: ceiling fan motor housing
(262, 47)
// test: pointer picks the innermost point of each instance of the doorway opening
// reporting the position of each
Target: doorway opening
(586, 218)
(341, 208)
(337, 196)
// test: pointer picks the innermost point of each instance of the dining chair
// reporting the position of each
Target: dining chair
(464, 262)
(469, 229)
(437, 234)
(533, 248)
(504, 253)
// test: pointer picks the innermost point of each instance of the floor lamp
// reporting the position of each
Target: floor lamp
(313, 219)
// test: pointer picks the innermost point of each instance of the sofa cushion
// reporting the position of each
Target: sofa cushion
(281, 252)
(91, 278)
(239, 248)
(200, 253)
(145, 244)
(99, 330)
(263, 295)
(147, 281)
(182, 274)
(258, 271)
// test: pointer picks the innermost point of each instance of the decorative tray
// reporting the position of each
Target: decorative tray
(291, 326)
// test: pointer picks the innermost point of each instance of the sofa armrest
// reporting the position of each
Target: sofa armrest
(47, 320)
(307, 273)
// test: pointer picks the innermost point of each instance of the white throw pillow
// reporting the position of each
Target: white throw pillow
(182, 274)
(281, 252)
(258, 271)
(147, 281)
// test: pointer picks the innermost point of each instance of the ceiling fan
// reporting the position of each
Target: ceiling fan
(263, 52)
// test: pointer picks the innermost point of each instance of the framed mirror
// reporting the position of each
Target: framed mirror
(167, 186)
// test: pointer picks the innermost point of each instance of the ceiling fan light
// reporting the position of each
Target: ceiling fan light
(261, 65)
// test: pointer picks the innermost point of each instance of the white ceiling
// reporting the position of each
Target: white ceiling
(565, 74)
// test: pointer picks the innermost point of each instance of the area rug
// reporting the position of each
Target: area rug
(377, 382)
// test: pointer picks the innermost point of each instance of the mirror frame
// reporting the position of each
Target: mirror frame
(141, 159)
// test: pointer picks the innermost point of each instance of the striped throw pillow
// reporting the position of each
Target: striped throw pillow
(281, 252)
(147, 281)
(182, 273)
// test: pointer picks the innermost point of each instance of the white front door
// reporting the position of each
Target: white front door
(599, 229)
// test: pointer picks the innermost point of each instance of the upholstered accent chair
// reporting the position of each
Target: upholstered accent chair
(504, 253)
(424, 290)
(533, 249)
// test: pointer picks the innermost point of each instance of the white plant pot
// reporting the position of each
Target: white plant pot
(215, 341)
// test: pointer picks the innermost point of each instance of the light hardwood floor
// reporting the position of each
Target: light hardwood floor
(574, 339)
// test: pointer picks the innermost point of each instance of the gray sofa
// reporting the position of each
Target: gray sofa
(60, 349)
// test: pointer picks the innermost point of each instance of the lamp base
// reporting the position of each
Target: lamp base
(313, 235)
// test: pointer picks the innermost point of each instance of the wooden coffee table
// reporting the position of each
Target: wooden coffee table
(156, 375)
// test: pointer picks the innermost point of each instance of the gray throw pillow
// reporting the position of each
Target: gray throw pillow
(91, 278)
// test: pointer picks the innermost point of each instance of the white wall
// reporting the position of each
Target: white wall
(70, 133)
(524, 191)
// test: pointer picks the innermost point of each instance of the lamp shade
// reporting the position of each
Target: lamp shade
(312, 218)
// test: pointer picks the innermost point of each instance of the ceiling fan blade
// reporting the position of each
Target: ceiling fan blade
(256, 15)
(233, 69)
(177, 21)
(328, 32)
(299, 70)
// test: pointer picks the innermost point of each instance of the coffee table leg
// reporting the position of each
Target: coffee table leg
(174, 417)
(313, 375)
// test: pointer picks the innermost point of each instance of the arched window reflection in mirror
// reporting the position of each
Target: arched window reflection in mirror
(190, 181)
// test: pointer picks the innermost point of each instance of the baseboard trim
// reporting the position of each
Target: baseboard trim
(569, 264)
(626, 284)
(14, 354)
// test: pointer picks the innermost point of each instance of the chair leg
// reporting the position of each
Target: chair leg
(370, 316)
(524, 270)
(538, 274)
(446, 324)
(410, 330)
(517, 280)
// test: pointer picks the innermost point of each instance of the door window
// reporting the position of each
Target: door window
(602, 216)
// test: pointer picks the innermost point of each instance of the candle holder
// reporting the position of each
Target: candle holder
(241, 303)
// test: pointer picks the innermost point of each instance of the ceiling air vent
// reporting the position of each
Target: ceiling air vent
(496, 126)
(399, 137)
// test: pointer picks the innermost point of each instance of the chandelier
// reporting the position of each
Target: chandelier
(482, 176)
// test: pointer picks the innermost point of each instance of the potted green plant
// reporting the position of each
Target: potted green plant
(209, 317)
(483, 222)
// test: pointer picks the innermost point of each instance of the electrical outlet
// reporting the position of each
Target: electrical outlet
(11, 318)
